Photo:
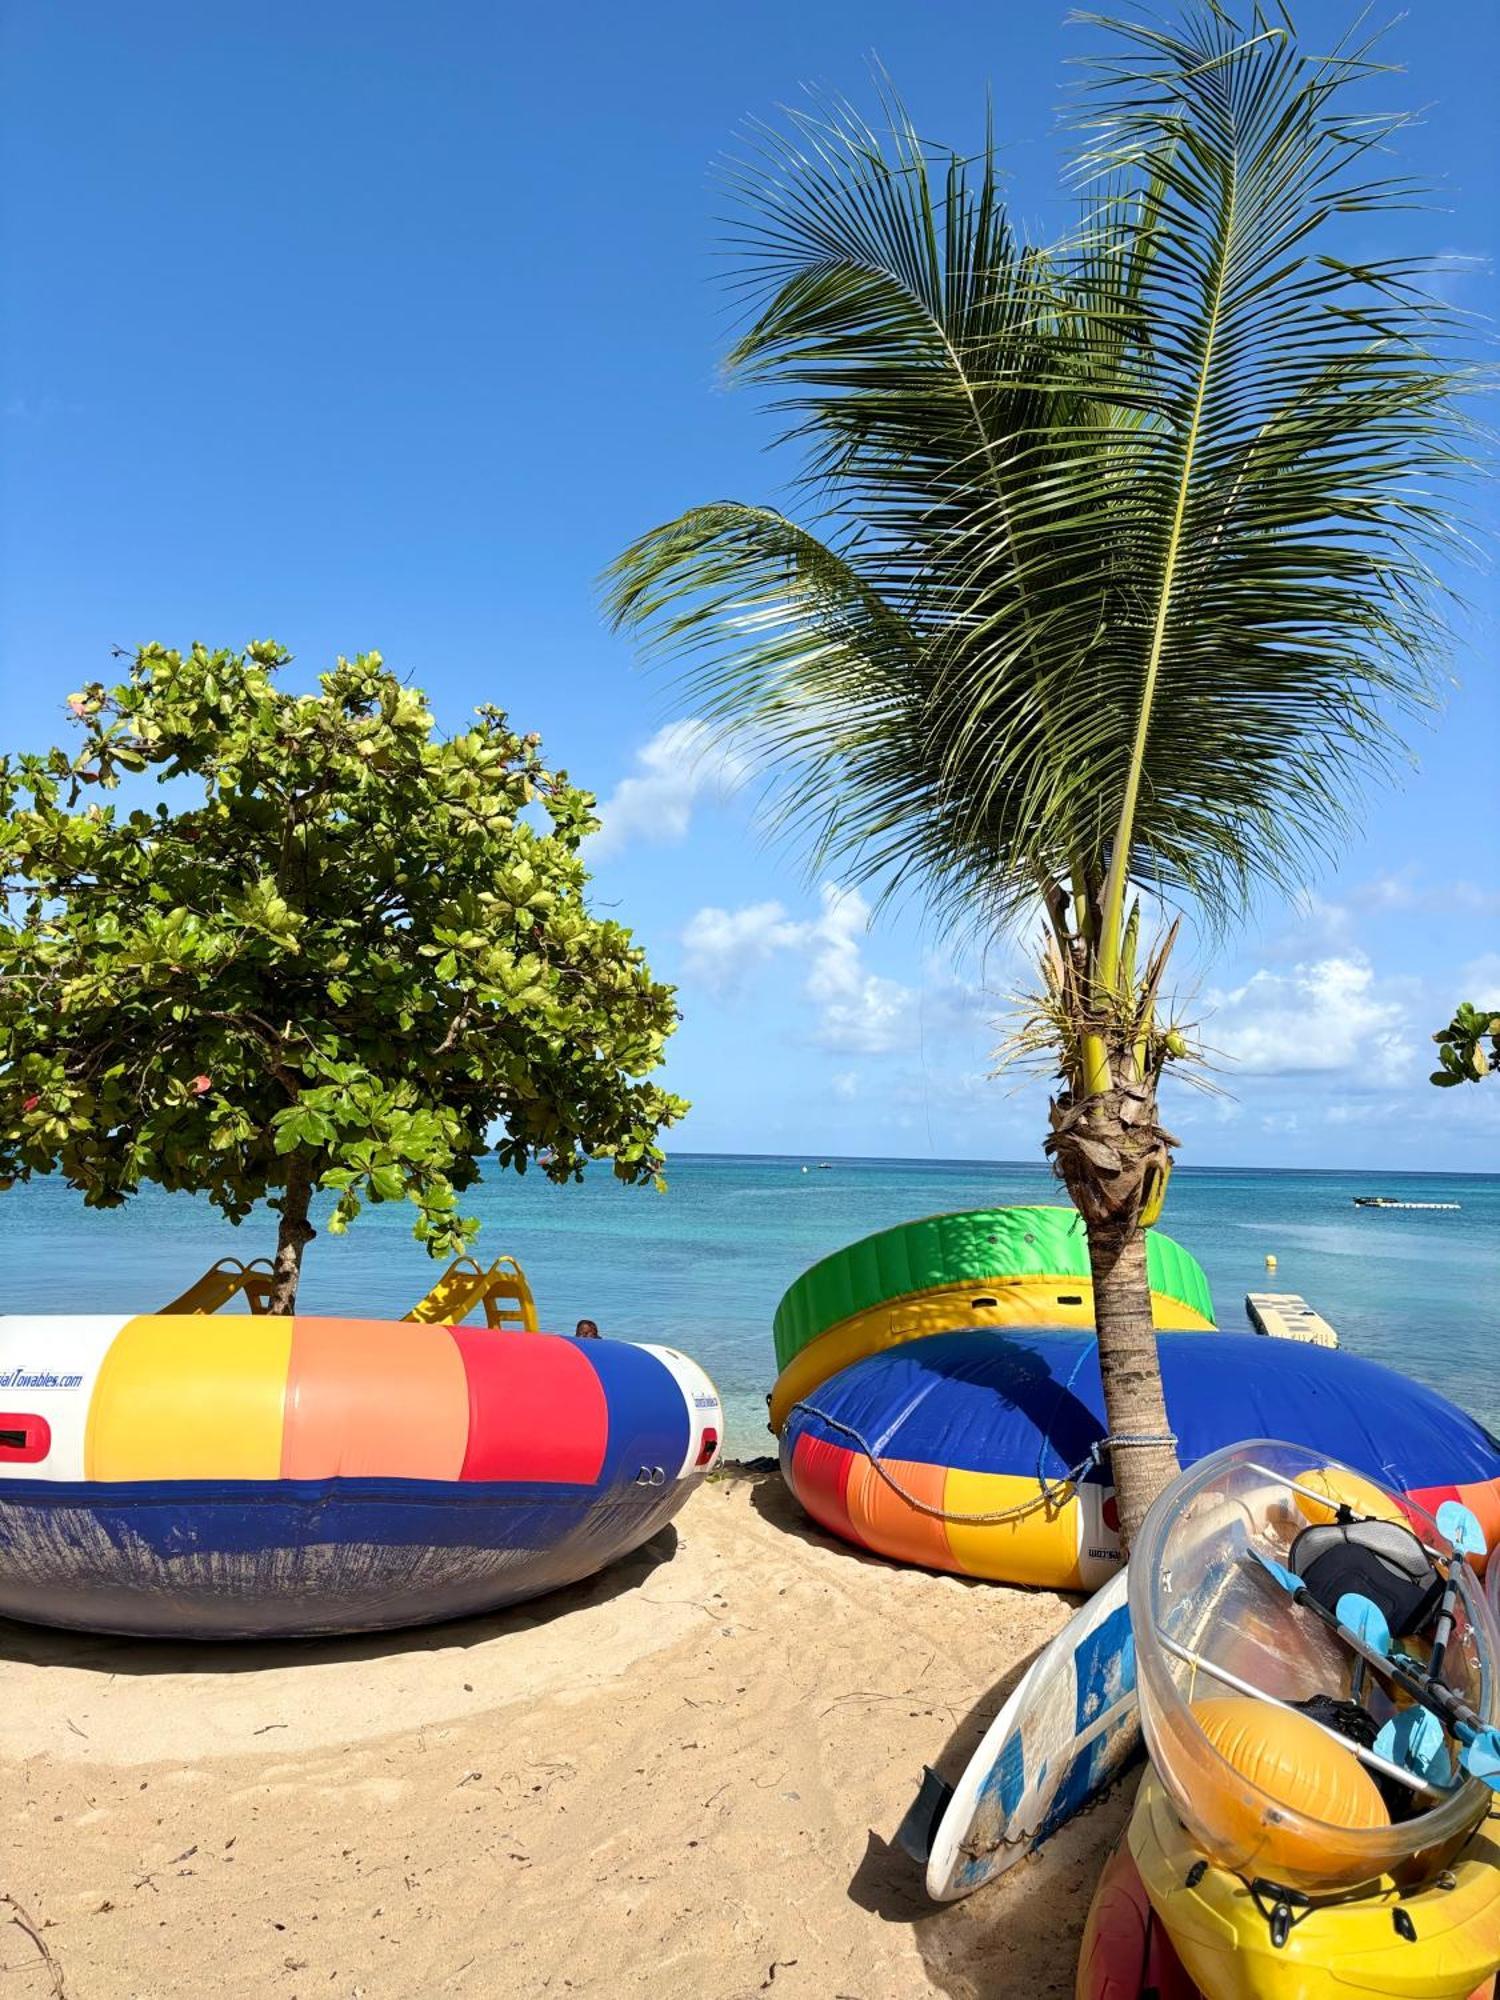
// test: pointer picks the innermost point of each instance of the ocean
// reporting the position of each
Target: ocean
(703, 1266)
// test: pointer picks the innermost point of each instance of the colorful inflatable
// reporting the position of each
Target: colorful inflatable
(975, 1451)
(239, 1477)
(987, 1267)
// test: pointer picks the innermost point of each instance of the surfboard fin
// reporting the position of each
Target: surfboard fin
(918, 1828)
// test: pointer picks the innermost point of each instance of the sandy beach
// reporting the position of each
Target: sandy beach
(683, 1778)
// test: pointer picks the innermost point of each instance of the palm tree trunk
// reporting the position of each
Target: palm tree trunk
(1134, 1404)
(292, 1238)
(1109, 1148)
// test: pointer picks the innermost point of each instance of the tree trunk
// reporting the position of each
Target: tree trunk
(1110, 1150)
(292, 1238)
(1134, 1404)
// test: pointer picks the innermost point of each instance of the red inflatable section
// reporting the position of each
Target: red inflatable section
(537, 1409)
(1125, 1954)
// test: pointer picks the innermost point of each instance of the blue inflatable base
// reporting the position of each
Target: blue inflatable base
(279, 1558)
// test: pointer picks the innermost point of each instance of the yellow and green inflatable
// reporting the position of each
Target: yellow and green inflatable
(978, 1268)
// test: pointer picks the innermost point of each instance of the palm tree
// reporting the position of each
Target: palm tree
(1117, 571)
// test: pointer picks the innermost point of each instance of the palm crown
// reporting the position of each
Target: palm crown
(1120, 562)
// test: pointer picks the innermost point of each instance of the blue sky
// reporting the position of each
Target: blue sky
(383, 326)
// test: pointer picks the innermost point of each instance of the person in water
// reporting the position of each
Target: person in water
(586, 1329)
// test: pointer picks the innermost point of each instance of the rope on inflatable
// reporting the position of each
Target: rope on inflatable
(1047, 1497)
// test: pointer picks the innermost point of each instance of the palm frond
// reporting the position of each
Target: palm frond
(1121, 554)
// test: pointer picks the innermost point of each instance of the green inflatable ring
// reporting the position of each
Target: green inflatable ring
(959, 1249)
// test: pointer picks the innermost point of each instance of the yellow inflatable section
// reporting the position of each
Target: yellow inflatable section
(1030, 1301)
(1438, 1942)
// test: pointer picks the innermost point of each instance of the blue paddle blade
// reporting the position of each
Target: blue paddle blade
(1481, 1758)
(1461, 1525)
(1365, 1620)
(1290, 1582)
(1414, 1739)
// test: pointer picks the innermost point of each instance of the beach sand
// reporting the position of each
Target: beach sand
(682, 1778)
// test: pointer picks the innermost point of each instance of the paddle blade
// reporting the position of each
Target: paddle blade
(1461, 1525)
(1414, 1739)
(1366, 1621)
(1481, 1758)
(1289, 1581)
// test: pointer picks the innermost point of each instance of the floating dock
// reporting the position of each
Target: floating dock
(1287, 1316)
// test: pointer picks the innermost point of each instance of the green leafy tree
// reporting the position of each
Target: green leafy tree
(338, 954)
(1114, 565)
(1462, 1055)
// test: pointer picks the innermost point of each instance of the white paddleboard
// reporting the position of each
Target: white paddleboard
(1068, 1730)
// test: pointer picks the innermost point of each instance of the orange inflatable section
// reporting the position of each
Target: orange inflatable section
(346, 1377)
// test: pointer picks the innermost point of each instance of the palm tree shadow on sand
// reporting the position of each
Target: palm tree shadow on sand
(106, 1654)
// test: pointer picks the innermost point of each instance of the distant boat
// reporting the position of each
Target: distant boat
(1385, 1201)
(824, 1167)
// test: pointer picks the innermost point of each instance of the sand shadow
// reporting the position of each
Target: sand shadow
(106, 1654)
(1017, 1938)
(888, 1883)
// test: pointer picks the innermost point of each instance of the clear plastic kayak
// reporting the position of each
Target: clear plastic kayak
(1291, 1755)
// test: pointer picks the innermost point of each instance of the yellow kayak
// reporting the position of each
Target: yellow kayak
(1439, 1942)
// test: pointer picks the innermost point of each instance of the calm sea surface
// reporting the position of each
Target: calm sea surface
(703, 1266)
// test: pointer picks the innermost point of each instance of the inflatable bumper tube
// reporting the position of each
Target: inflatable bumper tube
(985, 1424)
(982, 1267)
(248, 1477)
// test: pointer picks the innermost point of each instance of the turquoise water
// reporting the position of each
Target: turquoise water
(702, 1266)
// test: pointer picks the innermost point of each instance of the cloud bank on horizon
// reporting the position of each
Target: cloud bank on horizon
(1317, 1038)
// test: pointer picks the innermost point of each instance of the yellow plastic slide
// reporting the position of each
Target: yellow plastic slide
(221, 1282)
(465, 1286)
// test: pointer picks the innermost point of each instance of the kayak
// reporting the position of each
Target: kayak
(1316, 1677)
(1232, 1667)
(1126, 1953)
(1436, 1942)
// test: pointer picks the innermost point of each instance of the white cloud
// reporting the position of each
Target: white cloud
(683, 763)
(857, 1009)
(853, 1009)
(1404, 889)
(1479, 981)
(1323, 1016)
(845, 1085)
(723, 945)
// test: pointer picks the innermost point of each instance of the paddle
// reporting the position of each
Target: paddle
(1461, 1526)
(1479, 1743)
(1415, 1738)
(1362, 1627)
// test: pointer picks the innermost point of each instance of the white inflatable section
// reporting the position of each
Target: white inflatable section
(48, 1367)
(705, 1411)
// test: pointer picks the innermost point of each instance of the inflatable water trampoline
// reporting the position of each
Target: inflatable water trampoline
(252, 1476)
(975, 1450)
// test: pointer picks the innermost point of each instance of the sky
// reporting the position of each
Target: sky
(375, 326)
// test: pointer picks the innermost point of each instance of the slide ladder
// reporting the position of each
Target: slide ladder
(502, 1290)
